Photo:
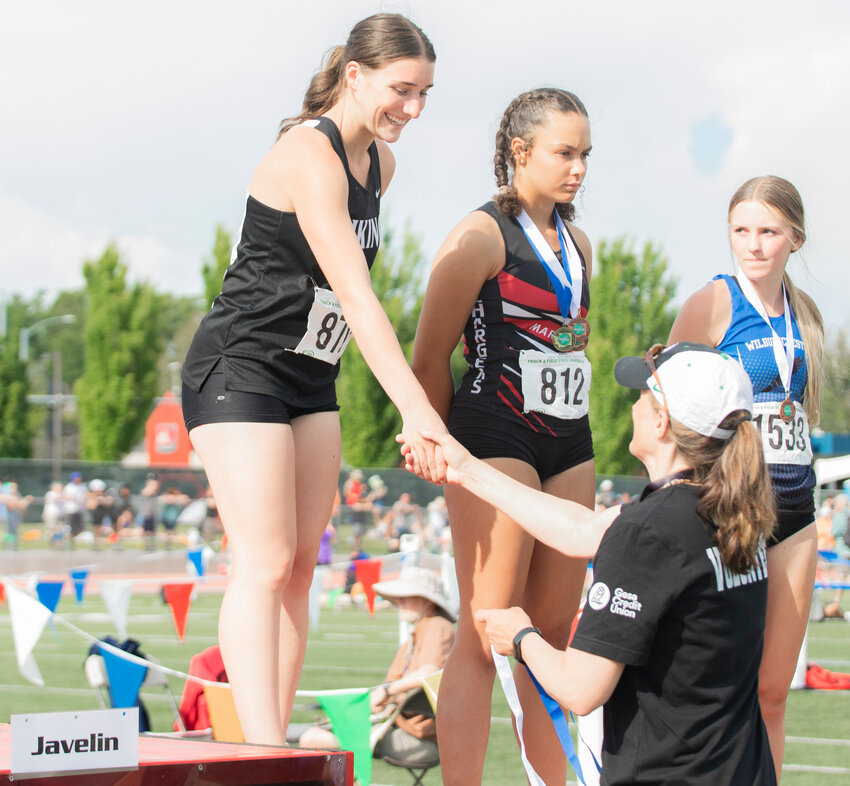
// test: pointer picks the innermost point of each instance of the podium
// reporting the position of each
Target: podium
(170, 761)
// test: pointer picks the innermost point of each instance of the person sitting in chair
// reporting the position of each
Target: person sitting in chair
(421, 601)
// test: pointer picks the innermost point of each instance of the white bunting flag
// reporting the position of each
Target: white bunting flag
(116, 595)
(29, 617)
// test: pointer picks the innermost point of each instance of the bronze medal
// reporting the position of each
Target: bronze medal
(787, 410)
(564, 339)
(581, 330)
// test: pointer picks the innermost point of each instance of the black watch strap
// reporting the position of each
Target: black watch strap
(518, 642)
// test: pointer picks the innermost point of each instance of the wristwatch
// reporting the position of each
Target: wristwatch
(518, 641)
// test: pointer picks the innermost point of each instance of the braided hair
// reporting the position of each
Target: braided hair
(527, 112)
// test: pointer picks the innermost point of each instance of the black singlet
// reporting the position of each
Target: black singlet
(516, 310)
(268, 291)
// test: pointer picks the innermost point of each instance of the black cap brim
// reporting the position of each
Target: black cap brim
(632, 372)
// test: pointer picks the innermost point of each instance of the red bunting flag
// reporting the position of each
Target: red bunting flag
(368, 571)
(178, 596)
(2, 592)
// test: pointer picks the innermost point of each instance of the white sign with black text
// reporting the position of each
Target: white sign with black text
(55, 742)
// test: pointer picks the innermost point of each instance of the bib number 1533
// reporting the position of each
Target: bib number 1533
(784, 443)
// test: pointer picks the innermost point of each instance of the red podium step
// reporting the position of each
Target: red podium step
(166, 761)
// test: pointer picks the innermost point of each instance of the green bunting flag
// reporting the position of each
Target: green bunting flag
(349, 715)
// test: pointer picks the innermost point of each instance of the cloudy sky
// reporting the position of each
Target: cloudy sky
(143, 122)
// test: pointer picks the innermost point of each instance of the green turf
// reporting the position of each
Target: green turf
(351, 650)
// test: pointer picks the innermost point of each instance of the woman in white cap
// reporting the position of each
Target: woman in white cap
(671, 637)
(421, 601)
(751, 316)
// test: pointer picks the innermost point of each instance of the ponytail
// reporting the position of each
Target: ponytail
(736, 495)
(324, 90)
(810, 323)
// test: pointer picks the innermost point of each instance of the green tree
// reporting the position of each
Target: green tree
(630, 297)
(15, 421)
(369, 419)
(835, 388)
(215, 265)
(122, 345)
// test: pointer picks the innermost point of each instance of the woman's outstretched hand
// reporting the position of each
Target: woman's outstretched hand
(502, 625)
(422, 455)
(454, 456)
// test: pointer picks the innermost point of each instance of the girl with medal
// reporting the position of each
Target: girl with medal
(258, 394)
(511, 279)
(776, 331)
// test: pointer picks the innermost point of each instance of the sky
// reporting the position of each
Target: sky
(142, 123)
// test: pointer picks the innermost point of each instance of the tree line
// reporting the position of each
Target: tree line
(127, 340)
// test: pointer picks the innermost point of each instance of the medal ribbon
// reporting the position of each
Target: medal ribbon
(554, 710)
(786, 368)
(566, 275)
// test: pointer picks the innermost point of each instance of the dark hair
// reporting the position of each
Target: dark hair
(736, 495)
(527, 112)
(373, 42)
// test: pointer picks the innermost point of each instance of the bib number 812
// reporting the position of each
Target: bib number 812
(551, 381)
(555, 385)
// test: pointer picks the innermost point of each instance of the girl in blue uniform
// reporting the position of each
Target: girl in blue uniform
(512, 278)
(776, 331)
(259, 395)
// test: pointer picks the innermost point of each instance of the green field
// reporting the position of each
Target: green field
(351, 650)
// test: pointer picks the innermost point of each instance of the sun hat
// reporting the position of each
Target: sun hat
(75, 476)
(97, 485)
(699, 385)
(416, 582)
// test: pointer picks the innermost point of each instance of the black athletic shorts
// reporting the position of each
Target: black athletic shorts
(790, 522)
(485, 436)
(215, 404)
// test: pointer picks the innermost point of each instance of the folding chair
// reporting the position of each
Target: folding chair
(98, 678)
(420, 698)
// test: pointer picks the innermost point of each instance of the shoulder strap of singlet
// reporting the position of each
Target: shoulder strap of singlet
(510, 226)
(330, 130)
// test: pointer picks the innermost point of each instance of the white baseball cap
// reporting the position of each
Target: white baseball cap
(700, 386)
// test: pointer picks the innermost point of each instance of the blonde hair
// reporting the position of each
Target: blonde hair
(780, 195)
(373, 42)
(736, 494)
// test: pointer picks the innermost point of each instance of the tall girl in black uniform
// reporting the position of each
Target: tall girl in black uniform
(512, 278)
(776, 331)
(259, 397)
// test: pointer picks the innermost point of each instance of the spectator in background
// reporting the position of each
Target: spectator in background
(52, 515)
(212, 527)
(438, 522)
(421, 601)
(405, 519)
(605, 496)
(14, 506)
(149, 509)
(123, 512)
(99, 505)
(326, 545)
(170, 506)
(377, 495)
(74, 495)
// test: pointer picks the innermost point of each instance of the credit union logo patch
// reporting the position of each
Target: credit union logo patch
(598, 596)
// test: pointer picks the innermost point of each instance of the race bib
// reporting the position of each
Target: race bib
(327, 331)
(784, 443)
(556, 385)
